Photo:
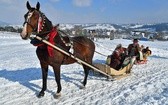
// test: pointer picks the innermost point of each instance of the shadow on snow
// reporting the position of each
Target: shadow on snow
(158, 57)
(25, 76)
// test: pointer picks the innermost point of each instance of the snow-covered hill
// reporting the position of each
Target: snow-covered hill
(20, 77)
(100, 27)
(158, 27)
(3, 23)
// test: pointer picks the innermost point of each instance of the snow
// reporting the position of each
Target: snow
(66, 26)
(88, 26)
(20, 77)
(137, 26)
(100, 26)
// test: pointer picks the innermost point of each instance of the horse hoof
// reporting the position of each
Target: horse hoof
(82, 87)
(40, 95)
(57, 95)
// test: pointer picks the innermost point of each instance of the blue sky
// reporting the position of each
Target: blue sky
(89, 11)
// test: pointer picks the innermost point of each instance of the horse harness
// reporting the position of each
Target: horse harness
(47, 35)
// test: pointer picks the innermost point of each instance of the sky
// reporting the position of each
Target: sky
(89, 11)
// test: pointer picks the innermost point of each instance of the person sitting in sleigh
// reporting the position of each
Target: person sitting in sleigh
(117, 57)
(134, 50)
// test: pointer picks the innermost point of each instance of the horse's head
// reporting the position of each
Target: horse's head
(33, 21)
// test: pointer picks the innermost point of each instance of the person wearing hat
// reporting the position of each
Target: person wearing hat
(134, 49)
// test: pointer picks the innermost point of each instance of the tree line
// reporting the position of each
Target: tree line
(10, 29)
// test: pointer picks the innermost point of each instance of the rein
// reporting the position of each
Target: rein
(71, 42)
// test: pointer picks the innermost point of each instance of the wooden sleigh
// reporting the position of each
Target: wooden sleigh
(116, 74)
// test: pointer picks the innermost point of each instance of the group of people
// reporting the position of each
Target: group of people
(134, 50)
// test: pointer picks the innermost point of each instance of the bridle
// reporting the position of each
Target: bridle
(26, 22)
(40, 22)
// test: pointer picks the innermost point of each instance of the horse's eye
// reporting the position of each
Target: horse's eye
(29, 15)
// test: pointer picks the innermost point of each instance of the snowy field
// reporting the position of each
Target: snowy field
(20, 77)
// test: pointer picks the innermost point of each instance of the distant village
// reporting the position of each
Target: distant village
(106, 31)
(95, 31)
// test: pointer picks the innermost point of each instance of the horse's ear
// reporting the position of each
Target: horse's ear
(28, 5)
(38, 6)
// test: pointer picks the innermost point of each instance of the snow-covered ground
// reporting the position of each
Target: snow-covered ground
(20, 77)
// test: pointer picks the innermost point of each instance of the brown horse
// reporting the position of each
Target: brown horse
(37, 23)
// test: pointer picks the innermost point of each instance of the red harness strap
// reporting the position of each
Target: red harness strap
(51, 35)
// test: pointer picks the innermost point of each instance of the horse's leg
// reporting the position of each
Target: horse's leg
(44, 68)
(86, 71)
(57, 78)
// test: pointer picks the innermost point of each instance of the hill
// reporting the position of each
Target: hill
(3, 23)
